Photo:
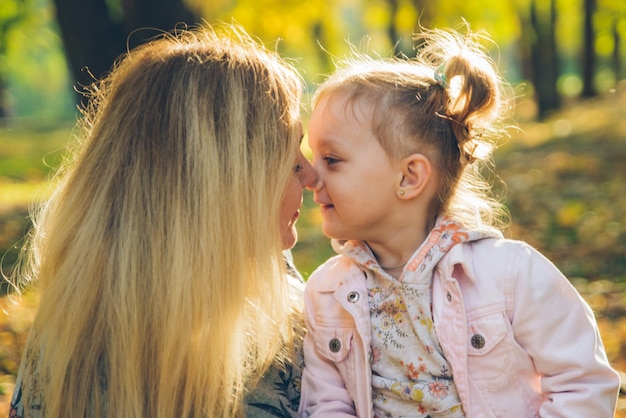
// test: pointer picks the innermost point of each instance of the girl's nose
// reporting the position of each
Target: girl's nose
(308, 176)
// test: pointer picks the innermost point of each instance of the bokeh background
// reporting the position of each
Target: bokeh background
(562, 173)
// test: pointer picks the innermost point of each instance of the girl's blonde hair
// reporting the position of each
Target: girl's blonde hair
(159, 255)
(447, 103)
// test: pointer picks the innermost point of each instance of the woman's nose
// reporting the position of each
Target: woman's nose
(308, 176)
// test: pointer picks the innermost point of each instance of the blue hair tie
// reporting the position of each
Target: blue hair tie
(440, 76)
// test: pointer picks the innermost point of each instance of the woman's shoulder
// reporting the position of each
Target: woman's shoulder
(17, 407)
(30, 364)
(274, 396)
(277, 394)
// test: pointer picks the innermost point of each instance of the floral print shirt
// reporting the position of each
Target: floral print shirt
(410, 375)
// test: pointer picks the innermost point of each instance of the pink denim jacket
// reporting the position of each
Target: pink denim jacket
(520, 340)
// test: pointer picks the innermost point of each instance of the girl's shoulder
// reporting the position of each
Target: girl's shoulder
(332, 271)
(499, 260)
(499, 250)
(501, 244)
(507, 250)
(511, 264)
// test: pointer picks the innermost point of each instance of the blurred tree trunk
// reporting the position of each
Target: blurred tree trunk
(93, 39)
(14, 14)
(319, 34)
(544, 57)
(426, 12)
(617, 46)
(392, 29)
(5, 111)
(525, 45)
(425, 16)
(589, 55)
(424, 9)
(4, 98)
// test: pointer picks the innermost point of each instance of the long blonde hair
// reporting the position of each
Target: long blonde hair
(158, 257)
(449, 103)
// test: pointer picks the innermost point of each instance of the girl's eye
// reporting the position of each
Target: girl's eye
(298, 168)
(330, 160)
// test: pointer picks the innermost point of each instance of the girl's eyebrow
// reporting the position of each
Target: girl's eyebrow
(333, 142)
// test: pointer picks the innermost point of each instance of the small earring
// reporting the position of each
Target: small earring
(401, 192)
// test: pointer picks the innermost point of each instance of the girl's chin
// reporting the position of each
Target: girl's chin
(329, 231)
(338, 231)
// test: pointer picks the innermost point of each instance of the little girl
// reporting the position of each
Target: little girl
(428, 311)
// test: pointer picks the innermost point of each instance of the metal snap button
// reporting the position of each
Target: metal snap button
(334, 345)
(478, 341)
(353, 297)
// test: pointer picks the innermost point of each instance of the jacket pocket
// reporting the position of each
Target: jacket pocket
(333, 342)
(490, 356)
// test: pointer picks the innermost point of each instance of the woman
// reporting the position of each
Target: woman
(159, 256)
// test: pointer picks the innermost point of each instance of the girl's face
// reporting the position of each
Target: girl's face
(303, 177)
(357, 182)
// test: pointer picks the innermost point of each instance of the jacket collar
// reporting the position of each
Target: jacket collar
(458, 263)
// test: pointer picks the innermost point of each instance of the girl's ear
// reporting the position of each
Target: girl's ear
(416, 175)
